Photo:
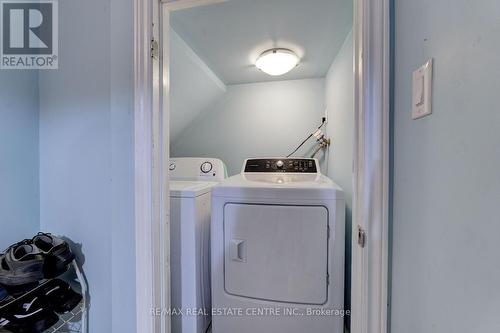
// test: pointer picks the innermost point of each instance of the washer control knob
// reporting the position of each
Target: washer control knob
(206, 167)
(280, 164)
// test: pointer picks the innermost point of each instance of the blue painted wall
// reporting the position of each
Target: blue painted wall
(446, 169)
(19, 193)
(86, 152)
(66, 153)
(122, 166)
(340, 129)
(256, 120)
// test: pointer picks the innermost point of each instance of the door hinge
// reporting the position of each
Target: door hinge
(155, 49)
(361, 237)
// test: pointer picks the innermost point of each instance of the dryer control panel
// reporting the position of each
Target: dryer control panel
(282, 165)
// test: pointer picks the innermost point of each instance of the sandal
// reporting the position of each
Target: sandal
(22, 263)
(57, 253)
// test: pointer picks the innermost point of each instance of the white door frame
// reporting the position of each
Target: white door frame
(151, 179)
(371, 164)
(370, 266)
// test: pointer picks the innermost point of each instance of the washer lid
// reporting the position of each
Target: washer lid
(189, 189)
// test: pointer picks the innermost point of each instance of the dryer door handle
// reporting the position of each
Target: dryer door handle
(238, 250)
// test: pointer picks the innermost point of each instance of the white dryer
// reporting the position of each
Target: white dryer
(191, 181)
(278, 250)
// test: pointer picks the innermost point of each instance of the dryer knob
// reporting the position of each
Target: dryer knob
(206, 167)
(280, 164)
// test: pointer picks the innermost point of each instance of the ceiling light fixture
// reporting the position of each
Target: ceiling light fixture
(277, 62)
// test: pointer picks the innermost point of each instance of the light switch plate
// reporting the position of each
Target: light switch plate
(422, 91)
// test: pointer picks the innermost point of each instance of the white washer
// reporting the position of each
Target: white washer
(278, 250)
(191, 180)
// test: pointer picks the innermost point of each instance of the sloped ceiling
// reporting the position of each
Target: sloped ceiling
(194, 87)
(230, 36)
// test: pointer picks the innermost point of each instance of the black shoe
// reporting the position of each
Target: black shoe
(38, 326)
(21, 264)
(60, 296)
(57, 253)
(3, 294)
(32, 315)
(20, 290)
(3, 322)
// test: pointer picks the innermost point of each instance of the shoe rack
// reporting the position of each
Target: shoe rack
(70, 322)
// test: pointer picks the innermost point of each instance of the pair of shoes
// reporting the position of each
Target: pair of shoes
(58, 254)
(38, 312)
(61, 296)
(29, 261)
(29, 316)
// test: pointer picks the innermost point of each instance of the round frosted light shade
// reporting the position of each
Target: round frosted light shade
(277, 61)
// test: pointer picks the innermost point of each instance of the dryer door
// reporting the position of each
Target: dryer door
(276, 253)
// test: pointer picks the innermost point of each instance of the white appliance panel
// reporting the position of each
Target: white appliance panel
(190, 262)
(197, 169)
(277, 232)
(276, 253)
(191, 181)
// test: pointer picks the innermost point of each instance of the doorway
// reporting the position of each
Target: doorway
(181, 140)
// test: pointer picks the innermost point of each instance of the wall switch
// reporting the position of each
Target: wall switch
(422, 91)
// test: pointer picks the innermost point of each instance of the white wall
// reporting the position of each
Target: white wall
(19, 192)
(86, 152)
(195, 87)
(255, 120)
(446, 181)
(340, 129)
